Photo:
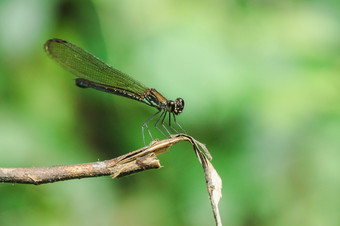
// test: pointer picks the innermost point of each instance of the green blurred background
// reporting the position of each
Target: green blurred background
(260, 80)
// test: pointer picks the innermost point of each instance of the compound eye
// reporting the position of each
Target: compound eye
(179, 106)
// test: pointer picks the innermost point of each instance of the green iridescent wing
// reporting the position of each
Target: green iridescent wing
(87, 66)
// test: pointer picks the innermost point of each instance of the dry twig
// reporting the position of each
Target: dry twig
(133, 162)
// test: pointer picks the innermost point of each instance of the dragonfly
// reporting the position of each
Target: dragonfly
(92, 72)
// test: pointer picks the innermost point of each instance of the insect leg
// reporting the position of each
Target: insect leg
(178, 124)
(171, 125)
(164, 112)
(145, 124)
(164, 125)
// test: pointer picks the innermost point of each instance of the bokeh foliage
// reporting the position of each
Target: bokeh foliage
(260, 80)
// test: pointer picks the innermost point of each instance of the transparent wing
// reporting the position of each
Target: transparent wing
(85, 65)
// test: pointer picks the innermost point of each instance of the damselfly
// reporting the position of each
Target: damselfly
(91, 72)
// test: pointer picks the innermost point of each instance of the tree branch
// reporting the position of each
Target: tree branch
(133, 162)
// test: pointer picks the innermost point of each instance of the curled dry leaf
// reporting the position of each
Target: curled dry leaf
(213, 180)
